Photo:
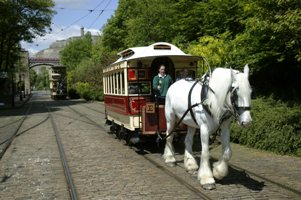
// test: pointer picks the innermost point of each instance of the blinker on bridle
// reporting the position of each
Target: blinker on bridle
(234, 102)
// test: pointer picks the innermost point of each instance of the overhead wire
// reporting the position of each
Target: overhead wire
(99, 14)
(81, 18)
(76, 9)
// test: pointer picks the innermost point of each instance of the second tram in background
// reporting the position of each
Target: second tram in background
(58, 82)
(129, 98)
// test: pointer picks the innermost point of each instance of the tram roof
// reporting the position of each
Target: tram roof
(153, 50)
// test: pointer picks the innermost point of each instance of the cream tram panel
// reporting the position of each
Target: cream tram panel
(128, 121)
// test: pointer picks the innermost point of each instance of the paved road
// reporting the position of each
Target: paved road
(104, 168)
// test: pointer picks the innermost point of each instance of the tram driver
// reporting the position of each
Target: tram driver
(161, 83)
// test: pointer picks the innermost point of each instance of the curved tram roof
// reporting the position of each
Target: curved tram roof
(158, 49)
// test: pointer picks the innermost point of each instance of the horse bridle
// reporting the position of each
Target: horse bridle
(234, 102)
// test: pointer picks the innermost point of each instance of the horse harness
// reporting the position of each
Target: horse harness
(190, 107)
(204, 95)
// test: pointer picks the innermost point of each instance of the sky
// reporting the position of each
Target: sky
(70, 17)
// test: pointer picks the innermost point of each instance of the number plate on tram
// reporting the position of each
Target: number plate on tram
(150, 107)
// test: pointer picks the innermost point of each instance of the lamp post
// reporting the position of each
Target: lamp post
(20, 87)
(13, 89)
(23, 84)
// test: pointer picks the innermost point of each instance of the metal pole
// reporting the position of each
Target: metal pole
(19, 87)
(13, 90)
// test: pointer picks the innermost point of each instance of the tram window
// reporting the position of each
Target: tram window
(115, 83)
(105, 84)
(133, 88)
(185, 74)
(122, 82)
(118, 83)
(110, 84)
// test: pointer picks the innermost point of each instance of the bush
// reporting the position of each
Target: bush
(276, 127)
(73, 94)
(84, 90)
(87, 91)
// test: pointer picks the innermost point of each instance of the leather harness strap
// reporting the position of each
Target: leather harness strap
(189, 102)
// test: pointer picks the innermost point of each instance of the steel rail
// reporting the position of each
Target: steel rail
(178, 179)
(98, 111)
(169, 173)
(241, 169)
(67, 172)
(8, 141)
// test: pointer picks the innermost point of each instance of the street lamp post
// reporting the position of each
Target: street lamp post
(13, 90)
(20, 88)
(23, 84)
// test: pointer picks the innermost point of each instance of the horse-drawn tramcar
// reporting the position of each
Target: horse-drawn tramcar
(207, 105)
(58, 82)
(128, 94)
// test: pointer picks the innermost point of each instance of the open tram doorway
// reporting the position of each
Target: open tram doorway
(169, 69)
(167, 62)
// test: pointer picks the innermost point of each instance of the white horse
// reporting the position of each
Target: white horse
(229, 92)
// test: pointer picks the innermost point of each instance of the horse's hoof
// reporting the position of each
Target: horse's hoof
(171, 164)
(209, 186)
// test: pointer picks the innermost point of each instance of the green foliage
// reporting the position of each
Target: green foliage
(42, 79)
(33, 77)
(265, 34)
(86, 91)
(84, 67)
(212, 48)
(21, 20)
(276, 127)
(76, 50)
(152, 25)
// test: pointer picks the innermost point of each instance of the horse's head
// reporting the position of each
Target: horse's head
(241, 96)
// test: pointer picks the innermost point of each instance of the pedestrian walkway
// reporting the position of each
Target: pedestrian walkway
(19, 102)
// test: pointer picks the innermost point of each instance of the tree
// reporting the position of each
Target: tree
(21, 20)
(33, 77)
(76, 50)
(152, 25)
(42, 80)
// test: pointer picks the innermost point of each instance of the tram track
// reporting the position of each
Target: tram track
(7, 142)
(67, 171)
(98, 111)
(188, 185)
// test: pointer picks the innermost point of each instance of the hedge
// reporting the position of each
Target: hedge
(86, 91)
(276, 127)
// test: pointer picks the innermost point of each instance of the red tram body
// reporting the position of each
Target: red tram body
(128, 94)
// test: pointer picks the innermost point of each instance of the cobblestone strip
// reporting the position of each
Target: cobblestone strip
(9, 123)
(283, 169)
(105, 169)
(31, 167)
(238, 184)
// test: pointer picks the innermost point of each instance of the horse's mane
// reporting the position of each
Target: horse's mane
(220, 83)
